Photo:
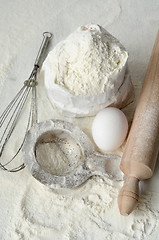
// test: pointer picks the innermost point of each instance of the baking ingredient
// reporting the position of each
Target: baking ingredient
(86, 61)
(109, 129)
(87, 71)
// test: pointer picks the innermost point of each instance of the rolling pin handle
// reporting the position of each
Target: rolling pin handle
(128, 196)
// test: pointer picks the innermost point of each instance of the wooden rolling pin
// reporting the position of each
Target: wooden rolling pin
(140, 154)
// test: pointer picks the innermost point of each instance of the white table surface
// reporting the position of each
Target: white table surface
(135, 23)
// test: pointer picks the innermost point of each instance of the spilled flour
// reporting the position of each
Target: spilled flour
(89, 212)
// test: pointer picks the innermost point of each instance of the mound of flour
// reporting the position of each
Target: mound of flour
(87, 72)
(87, 59)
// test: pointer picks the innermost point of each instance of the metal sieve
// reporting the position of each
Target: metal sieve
(77, 159)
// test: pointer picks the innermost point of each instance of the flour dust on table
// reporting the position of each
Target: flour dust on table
(42, 213)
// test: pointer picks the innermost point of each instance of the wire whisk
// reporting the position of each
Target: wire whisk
(13, 111)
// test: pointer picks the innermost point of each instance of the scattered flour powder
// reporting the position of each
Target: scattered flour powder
(89, 212)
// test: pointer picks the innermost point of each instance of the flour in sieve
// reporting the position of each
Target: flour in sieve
(59, 156)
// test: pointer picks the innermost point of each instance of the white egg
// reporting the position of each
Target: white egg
(109, 129)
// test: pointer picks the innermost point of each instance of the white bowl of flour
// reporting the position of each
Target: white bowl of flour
(87, 72)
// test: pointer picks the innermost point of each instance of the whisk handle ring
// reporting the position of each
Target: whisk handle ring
(40, 57)
(48, 34)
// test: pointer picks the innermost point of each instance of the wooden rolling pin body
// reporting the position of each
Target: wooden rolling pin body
(140, 154)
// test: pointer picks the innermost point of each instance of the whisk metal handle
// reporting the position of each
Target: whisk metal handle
(39, 59)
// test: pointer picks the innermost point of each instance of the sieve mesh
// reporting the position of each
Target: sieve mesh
(58, 153)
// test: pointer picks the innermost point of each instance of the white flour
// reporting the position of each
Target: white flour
(84, 62)
(87, 72)
(29, 210)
